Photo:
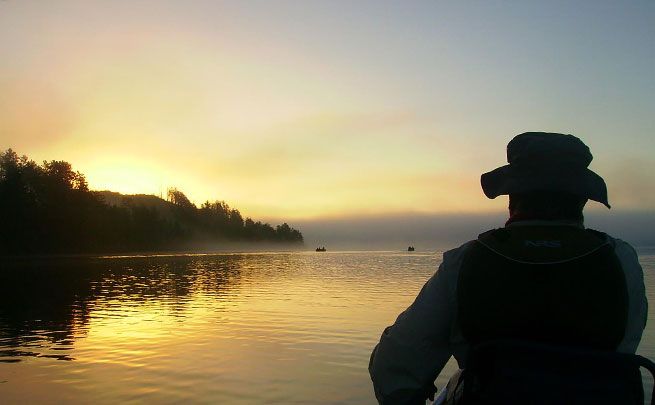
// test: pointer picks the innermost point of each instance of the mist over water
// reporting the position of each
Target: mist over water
(430, 232)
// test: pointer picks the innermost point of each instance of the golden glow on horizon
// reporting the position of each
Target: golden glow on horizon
(126, 175)
(279, 124)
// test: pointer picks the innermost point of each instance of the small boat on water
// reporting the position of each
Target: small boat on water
(321, 249)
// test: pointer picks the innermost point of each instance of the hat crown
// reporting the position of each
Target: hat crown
(546, 149)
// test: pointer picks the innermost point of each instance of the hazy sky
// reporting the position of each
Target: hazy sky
(294, 109)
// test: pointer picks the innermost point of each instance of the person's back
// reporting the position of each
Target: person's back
(542, 278)
(543, 283)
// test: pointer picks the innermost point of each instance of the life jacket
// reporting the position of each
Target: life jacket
(558, 285)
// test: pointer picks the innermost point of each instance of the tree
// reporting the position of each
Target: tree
(179, 199)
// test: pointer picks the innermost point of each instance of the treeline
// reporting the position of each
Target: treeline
(49, 209)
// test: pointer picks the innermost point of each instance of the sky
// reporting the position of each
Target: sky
(327, 109)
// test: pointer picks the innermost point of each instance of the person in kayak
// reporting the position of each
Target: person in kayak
(542, 278)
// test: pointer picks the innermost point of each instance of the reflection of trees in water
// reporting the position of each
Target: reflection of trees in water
(46, 305)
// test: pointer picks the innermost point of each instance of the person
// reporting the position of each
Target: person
(543, 277)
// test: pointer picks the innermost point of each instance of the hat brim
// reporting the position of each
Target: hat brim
(508, 180)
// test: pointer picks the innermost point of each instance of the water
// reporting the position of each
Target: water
(231, 328)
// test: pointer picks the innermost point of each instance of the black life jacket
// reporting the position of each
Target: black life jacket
(550, 284)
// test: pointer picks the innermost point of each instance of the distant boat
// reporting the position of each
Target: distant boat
(320, 249)
(410, 249)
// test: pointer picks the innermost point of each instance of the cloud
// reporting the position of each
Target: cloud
(631, 183)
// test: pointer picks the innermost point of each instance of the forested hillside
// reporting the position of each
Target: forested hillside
(48, 209)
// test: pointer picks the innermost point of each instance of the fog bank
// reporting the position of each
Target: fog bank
(429, 232)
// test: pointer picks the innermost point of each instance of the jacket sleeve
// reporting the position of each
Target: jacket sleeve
(413, 351)
(637, 301)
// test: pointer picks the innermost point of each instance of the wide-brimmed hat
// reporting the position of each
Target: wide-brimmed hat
(543, 161)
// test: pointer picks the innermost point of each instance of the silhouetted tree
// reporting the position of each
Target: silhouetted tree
(179, 199)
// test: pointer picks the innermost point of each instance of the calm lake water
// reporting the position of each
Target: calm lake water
(231, 328)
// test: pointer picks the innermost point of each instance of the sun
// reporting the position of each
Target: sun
(126, 175)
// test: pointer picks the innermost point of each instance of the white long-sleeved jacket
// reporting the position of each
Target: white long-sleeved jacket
(413, 351)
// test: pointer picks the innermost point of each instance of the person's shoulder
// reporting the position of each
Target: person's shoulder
(458, 252)
(453, 258)
(623, 250)
(621, 247)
